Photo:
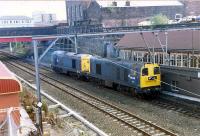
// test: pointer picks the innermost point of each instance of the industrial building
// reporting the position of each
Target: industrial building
(41, 18)
(15, 21)
(120, 13)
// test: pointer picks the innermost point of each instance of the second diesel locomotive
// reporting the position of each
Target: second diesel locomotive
(139, 78)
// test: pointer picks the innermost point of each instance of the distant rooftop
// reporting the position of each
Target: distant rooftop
(122, 3)
(15, 18)
(177, 40)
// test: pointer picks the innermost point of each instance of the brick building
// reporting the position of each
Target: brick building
(192, 7)
(119, 13)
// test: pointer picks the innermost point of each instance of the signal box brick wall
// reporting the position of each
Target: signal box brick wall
(7, 101)
(10, 88)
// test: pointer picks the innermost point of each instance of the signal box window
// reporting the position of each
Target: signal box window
(156, 70)
(98, 69)
(145, 72)
(73, 63)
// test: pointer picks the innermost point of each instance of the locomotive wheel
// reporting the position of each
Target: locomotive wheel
(119, 88)
(133, 92)
(114, 86)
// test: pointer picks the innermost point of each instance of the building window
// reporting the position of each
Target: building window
(199, 62)
(134, 56)
(156, 58)
(178, 60)
(145, 57)
(173, 59)
(185, 60)
(193, 61)
(161, 58)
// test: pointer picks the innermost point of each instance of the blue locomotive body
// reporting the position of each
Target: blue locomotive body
(139, 77)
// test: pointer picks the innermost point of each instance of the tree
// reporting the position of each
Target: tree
(159, 20)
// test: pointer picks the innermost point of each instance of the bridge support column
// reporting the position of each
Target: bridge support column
(75, 42)
(11, 49)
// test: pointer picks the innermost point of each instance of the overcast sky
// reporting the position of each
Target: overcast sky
(26, 8)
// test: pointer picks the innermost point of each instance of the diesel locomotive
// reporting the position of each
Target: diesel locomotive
(138, 78)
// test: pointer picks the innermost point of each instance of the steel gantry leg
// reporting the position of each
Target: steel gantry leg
(11, 49)
(75, 41)
(39, 104)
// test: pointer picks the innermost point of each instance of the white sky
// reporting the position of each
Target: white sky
(26, 7)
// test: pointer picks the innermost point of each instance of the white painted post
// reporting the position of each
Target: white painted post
(11, 49)
(10, 132)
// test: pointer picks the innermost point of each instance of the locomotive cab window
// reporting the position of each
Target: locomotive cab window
(73, 63)
(98, 69)
(156, 70)
(145, 72)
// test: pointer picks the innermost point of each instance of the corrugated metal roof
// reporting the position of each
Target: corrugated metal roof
(8, 82)
(15, 18)
(177, 40)
(122, 3)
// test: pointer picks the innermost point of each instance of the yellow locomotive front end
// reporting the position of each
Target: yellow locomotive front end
(150, 77)
(85, 63)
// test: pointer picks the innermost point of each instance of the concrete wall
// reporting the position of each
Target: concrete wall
(187, 83)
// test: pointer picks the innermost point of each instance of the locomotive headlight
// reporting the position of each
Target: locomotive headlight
(152, 78)
(131, 77)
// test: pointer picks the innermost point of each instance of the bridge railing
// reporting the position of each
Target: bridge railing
(57, 30)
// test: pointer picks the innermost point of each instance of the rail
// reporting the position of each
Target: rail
(70, 111)
(142, 126)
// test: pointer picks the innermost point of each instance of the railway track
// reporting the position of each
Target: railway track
(162, 102)
(141, 126)
(178, 107)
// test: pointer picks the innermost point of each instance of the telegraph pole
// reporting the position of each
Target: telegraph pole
(39, 103)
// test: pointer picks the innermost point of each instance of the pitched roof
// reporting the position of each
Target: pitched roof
(8, 82)
(177, 40)
(15, 18)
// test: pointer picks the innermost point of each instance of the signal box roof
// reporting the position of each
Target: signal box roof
(183, 40)
(8, 82)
